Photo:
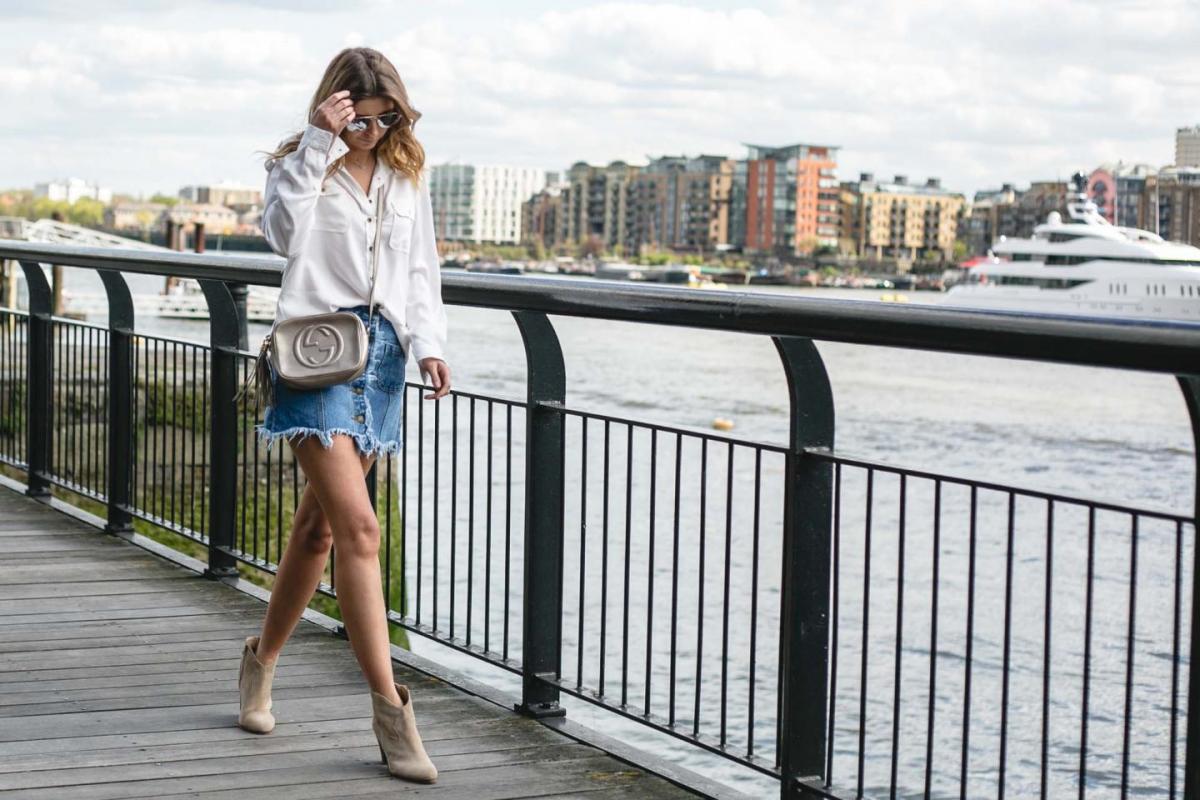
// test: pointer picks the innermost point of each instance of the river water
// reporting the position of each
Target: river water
(1120, 437)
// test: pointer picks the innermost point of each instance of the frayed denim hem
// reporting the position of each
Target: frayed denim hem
(366, 443)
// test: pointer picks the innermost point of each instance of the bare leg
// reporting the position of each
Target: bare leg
(355, 530)
(299, 572)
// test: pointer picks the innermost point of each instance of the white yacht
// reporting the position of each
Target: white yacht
(1086, 266)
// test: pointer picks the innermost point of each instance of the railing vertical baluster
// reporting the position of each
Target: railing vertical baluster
(1172, 760)
(224, 336)
(542, 600)
(39, 366)
(120, 402)
(1047, 630)
(1005, 670)
(970, 645)
(807, 535)
(1190, 385)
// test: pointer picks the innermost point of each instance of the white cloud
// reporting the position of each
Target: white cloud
(974, 91)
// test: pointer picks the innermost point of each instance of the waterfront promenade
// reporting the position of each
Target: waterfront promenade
(957, 615)
(118, 678)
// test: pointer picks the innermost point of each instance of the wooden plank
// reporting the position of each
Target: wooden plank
(329, 734)
(218, 661)
(348, 752)
(503, 782)
(119, 614)
(135, 651)
(131, 568)
(288, 672)
(648, 790)
(87, 551)
(49, 605)
(57, 542)
(346, 772)
(201, 740)
(30, 639)
(78, 702)
(335, 705)
(146, 585)
(136, 625)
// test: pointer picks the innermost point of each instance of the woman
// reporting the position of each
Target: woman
(320, 212)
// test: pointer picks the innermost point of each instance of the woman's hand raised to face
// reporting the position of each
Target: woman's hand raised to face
(333, 114)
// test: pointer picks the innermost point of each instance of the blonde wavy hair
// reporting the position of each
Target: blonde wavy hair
(366, 72)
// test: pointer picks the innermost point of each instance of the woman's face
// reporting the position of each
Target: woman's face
(369, 137)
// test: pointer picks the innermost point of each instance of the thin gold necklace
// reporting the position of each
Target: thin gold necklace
(367, 165)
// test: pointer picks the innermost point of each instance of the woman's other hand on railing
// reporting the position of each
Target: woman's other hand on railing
(438, 373)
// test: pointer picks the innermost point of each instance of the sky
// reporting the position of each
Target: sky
(144, 96)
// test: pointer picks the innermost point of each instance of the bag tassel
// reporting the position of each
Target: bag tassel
(261, 377)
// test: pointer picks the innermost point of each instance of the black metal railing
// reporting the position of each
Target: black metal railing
(818, 618)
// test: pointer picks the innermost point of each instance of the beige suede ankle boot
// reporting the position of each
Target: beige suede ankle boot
(254, 688)
(400, 745)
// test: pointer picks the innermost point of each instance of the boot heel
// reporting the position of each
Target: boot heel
(382, 755)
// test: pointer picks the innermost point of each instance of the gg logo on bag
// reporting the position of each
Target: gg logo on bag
(318, 345)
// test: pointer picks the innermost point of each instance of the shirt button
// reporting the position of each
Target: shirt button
(359, 417)
(358, 390)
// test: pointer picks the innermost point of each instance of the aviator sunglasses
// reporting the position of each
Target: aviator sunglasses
(384, 121)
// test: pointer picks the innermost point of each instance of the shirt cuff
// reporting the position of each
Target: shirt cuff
(422, 349)
(324, 142)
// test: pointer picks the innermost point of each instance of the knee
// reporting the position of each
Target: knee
(359, 537)
(315, 535)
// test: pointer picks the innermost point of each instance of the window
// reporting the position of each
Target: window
(1041, 283)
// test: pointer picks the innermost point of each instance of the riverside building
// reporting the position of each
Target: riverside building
(896, 219)
(481, 202)
(785, 200)
(1187, 147)
(681, 204)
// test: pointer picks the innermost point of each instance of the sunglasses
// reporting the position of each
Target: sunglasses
(384, 121)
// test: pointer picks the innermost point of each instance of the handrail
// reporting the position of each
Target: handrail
(1170, 347)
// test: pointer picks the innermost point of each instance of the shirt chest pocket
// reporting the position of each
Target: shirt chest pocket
(398, 225)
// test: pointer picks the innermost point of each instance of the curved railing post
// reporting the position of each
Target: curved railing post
(224, 336)
(541, 623)
(39, 365)
(120, 402)
(1190, 385)
(807, 533)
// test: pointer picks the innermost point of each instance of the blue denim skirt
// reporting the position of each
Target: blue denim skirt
(369, 408)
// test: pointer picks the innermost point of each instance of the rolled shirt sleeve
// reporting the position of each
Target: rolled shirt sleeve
(426, 315)
(293, 186)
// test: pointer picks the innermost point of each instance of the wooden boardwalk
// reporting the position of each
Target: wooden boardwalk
(118, 678)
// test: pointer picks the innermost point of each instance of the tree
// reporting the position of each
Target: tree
(591, 247)
(807, 245)
(87, 212)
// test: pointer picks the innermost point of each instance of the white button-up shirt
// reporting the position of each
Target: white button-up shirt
(326, 230)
